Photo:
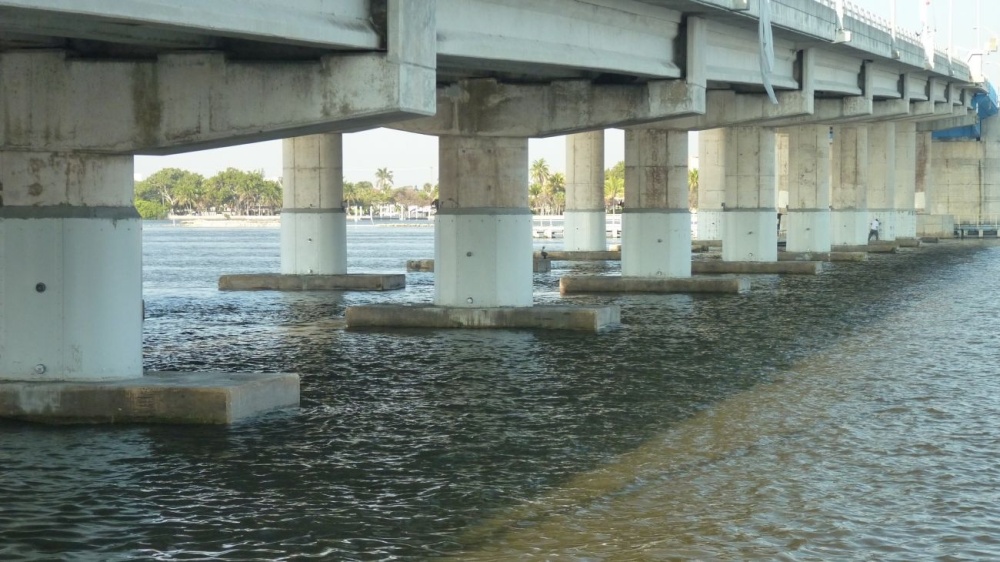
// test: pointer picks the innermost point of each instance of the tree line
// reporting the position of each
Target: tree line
(238, 192)
(173, 191)
(176, 191)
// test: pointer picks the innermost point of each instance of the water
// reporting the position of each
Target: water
(846, 416)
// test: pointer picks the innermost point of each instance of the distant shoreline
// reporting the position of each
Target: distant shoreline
(274, 221)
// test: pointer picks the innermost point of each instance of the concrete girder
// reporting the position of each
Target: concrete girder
(885, 110)
(72, 26)
(200, 100)
(320, 23)
(489, 108)
(969, 118)
(938, 90)
(196, 101)
(727, 109)
(917, 87)
(728, 61)
(931, 111)
(884, 82)
(831, 111)
(628, 37)
(836, 73)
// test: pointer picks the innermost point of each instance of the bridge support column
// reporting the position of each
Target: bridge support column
(928, 224)
(749, 232)
(70, 268)
(313, 223)
(906, 180)
(313, 226)
(482, 249)
(809, 189)
(482, 238)
(711, 183)
(989, 197)
(882, 178)
(849, 186)
(783, 172)
(71, 308)
(586, 221)
(656, 221)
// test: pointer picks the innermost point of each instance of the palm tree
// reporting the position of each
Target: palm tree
(383, 179)
(540, 172)
(614, 184)
(693, 189)
(556, 192)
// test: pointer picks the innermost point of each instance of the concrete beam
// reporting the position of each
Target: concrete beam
(887, 110)
(831, 111)
(730, 61)
(886, 82)
(622, 37)
(197, 101)
(201, 100)
(969, 118)
(322, 23)
(490, 108)
(837, 73)
(725, 108)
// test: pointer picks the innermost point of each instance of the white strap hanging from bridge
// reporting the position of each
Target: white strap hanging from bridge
(766, 49)
(927, 34)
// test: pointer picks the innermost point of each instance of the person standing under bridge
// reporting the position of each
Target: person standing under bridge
(874, 230)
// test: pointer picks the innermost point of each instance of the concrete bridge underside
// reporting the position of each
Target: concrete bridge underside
(87, 86)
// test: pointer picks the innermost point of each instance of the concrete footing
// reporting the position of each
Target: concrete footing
(696, 247)
(578, 318)
(930, 239)
(790, 267)
(617, 284)
(286, 282)
(540, 265)
(581, 255)
(873, 248)
(174, 398)
(822, 256)
(415, 266)
(908, 242)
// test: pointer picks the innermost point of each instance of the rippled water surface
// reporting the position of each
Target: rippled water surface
(852, 415)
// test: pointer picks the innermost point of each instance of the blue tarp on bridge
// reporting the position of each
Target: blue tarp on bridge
(985, 104)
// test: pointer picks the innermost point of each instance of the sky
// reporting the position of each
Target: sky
(412, 158)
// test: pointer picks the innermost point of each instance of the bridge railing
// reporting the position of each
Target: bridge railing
(878, 22)
(977, 224)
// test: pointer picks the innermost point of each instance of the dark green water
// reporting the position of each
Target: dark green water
(850, 415)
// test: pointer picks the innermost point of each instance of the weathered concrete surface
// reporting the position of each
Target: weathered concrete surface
(720, 267)
(617, 284)
(908, 242)
(560, 255)
(930, 239)
(161, 397)
(540, 265)
(872, 247)
(419, 265)
(697, 246)
(344, 282)
(822, 256)
(578, 318)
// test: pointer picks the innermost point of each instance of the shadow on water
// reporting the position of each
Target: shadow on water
(418, 444)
